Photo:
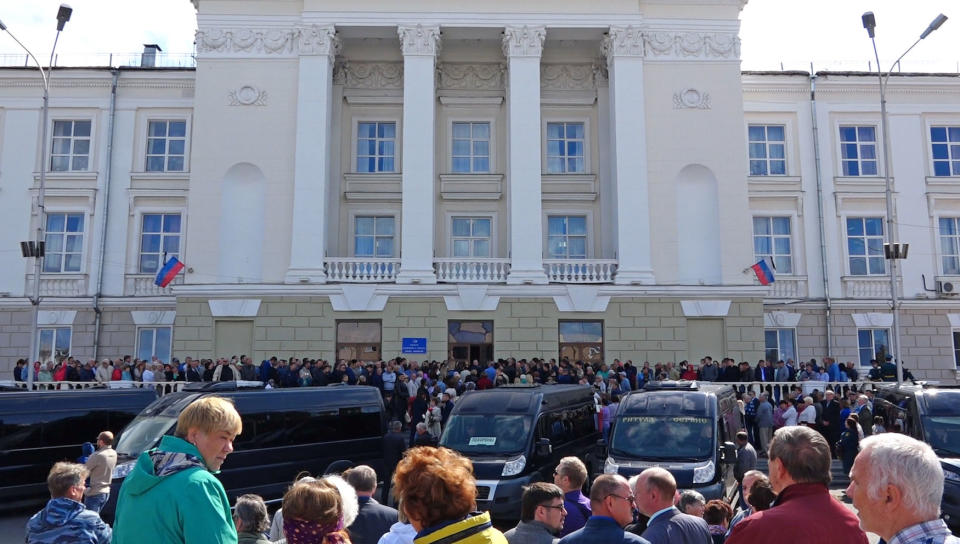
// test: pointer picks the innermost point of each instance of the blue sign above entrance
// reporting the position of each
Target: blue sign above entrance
(414, 345)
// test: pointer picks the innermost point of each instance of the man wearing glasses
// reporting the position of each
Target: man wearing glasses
(541, 515)
(612, 505)
(654, 492)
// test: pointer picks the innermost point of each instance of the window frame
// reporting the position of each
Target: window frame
(374, 215)
(773, 253)
(167, 139)
(878, 158)
(53, 351)
(140, 234)
(451, 238)
(779, 347)
(397, 148)
(873, 345)
(956, 347)
(73, 119)
(579, 346)
(866, 255)
(153, 351)
(489, 345)
(64, 233)
(941, 254)
(491, 147)
(588, 221)
(948, 124)
(766, 143)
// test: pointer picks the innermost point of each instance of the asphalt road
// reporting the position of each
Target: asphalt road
(12, 525)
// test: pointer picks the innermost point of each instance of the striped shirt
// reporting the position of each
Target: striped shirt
(928, 532)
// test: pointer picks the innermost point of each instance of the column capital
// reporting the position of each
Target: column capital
(419, 39)
(523, 41)
(622, 41)
(319, 40)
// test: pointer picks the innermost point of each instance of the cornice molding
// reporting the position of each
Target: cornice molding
(567, 77)
(246, 42)
(523, 41)
(419, 40)
(369, 75)
(471, 76)
(320, 40)
(622, 41)
(674, 45)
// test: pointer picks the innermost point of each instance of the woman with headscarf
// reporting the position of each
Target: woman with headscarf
(318, 511)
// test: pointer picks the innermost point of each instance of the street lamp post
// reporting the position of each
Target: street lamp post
(36, 249)
(893, 251)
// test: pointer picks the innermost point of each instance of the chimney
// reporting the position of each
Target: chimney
(149, 57)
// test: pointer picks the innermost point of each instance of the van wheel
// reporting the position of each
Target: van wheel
(338, 467)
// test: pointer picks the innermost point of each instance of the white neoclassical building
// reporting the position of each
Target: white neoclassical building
(448, 179)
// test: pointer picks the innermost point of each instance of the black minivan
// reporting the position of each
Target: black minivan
(516, 434)
(39, 428)
(932, 415)
(285, 431)
(685, 427)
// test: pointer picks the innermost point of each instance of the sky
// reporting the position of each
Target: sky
(774, 33)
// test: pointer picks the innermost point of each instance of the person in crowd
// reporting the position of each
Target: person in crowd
(541, 515)
(849, 444)
(864, 414)
(761, 495)
(100, 465)
(764, 422)
(830, 420)
(799, 474)
(789, 413)
(692, 502)
(750, 478)
(570, 475)
(318, 511)
(393, 447)
(373, 519)
(175, 482)
(250, 517)
(400, 532)
(746, 457)
(422, 436)
(64, 518)
(104, 372)
(611, 503)
(432, 418)
(717, 514)
(896, 485)
(437, 492)
(808, 413)
(654, 496)
(878, 425)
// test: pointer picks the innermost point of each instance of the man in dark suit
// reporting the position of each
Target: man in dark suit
(830, 419)
(394, 444)
(373, 519)
(611, 503)
(654, 493)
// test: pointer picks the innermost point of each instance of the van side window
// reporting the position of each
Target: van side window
(289, 428)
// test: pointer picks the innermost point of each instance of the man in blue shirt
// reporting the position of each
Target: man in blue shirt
(570, 476)
(612, 504)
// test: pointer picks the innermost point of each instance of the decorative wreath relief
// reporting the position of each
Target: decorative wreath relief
(691, 99)
(248, 95)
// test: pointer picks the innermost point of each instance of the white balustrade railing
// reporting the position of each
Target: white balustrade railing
(807, 387)
(789, 287)
(361, 269)
(867, 287)
(142, 285)
(162, 387)
(66, 285)
(580, 270)
(467, 270)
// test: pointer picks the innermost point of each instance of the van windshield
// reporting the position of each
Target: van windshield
(663, 437)
(943, 434)
(487, 434)
(142, 434)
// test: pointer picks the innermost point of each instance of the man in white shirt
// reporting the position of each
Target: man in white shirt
(808, 416)
(789, 413)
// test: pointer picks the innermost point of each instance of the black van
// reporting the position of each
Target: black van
(932, 415)
(685, 427)
(516, 434)
(39, 428)
(285, 431)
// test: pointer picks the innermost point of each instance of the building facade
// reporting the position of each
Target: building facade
(438, 181)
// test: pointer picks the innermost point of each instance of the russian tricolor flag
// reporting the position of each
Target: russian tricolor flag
(763, 272)
(169, 271)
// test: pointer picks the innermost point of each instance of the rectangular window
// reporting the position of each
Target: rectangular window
(567, 236)
(565, 148)
(945, 150)
(373, 236)
(767, 150)
(471, 236)
(865, 246)
(956, 348)
(64, 243)
(154, 342)
(376, 146)
(772, 241)
(159, 234)
(581, 341)
(358, 340)
(858, 150)
(780, 344)
(166, 146)
(950, 245)
(471, 148)
(54, 344)
(873, 344)
(470, 340)
(70, 151)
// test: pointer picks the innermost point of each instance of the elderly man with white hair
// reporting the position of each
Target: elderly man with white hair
(896, 484)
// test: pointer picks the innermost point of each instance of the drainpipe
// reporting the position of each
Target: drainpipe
(820, 225)
(108, 173)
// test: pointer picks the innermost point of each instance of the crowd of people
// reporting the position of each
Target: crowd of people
(172, 496)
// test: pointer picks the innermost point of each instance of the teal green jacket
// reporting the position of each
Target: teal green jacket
(184, 504)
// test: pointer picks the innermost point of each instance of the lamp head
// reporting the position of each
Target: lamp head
(869, 22)
(2, 26)
(935, 24)
(63, 15)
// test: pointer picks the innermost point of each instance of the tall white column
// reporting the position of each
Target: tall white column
(623, 48)
(523, 46)
(420, 44)
(318, 46)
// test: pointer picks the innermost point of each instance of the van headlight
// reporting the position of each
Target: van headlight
(610, 467)
(951, 476)
(514, 466)
(121, 470)
(704, 474)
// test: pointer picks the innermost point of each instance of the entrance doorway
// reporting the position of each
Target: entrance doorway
(469, 340)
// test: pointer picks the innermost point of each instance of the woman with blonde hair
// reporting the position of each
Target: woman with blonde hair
(437, 493)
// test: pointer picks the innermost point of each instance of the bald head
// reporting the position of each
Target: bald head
(655, 490)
